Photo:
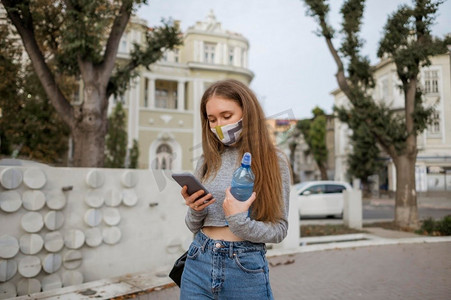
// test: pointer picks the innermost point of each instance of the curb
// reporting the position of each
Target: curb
(344, 242)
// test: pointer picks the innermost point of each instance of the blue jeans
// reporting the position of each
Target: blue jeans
(217, 269)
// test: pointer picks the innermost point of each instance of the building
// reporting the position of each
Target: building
(304, 167)
(163, 103)
(433, 164)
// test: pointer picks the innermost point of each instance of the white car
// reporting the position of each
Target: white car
(321, 198)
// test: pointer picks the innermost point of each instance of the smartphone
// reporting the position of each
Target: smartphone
(190, 181)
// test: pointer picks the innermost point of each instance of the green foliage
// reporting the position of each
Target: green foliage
(9, 89)
(29, 125)
(408, 42)
(363, 161)
(159, 39)
(78, 40)
(314, 132)
(134, 155)
(433, 227)
(116, 139)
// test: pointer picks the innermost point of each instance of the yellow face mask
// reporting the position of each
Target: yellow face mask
(229, 134)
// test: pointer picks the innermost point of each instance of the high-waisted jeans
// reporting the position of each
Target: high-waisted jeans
(217, 269)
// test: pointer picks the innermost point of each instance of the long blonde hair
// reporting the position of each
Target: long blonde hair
(254, 139)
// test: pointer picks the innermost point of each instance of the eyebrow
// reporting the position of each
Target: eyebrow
(222, 113)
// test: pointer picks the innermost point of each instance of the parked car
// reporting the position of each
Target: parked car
(321, 198)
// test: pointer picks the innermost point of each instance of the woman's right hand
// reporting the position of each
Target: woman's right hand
(196, 203)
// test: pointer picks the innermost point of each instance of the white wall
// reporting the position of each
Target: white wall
(153, 231)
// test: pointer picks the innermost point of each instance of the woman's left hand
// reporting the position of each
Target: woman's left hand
(233, 206)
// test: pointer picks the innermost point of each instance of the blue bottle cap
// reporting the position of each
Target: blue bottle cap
(246, 159)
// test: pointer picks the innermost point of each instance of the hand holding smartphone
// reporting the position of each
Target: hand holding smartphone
(192, 183)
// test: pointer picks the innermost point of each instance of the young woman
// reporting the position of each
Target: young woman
(227, 257)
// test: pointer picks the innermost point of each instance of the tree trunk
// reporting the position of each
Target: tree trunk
(406, 212)
(90, 128)
(323, 171)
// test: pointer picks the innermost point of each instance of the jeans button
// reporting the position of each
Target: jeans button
(218, 245)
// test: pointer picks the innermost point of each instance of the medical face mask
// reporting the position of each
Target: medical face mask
(229, 134)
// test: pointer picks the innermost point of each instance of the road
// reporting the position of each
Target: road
(382, 212)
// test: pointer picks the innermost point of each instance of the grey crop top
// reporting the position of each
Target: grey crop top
(240, 224)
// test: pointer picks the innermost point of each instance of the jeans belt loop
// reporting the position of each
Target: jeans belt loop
(204, 245)
(231, 250)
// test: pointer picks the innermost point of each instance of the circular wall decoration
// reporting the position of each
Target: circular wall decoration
(56, 201)
(51, 282)
(10, 178)
(95, 179)
(8, 268)
(129, 179)
(111, 235)
(28, 286)
(54, 220)
(33, 200)
(72, 278)
(74, 239)
(93, 217)
(94, 237)
(72, 259)
(9, 246)
(94, 199)
(10, 201)
(34, 178)
(32, 222)
(113, 197)
(111, 216)
(31, 243)
(52, 262)
(7, 290)
(29, 266)
(129, 197)
(53, 241)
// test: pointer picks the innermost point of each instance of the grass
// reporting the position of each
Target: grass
(322, 230)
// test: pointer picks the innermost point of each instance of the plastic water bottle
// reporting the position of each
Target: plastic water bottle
(243, 179)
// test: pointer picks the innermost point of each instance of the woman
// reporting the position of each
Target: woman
(227, 257)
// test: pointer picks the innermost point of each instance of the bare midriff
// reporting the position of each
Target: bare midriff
(220, 233)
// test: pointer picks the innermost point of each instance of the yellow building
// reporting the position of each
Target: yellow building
(163, 102)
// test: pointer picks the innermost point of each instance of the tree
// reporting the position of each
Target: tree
(116, 139)
(408, 42)
(134, 155)
(30, 127)
(364, 160)
(314, 132)
(9, 89)
(82, 38)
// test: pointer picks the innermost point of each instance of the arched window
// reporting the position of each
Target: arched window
(164, 157)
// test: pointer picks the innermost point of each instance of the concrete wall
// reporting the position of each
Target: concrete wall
(64, 226)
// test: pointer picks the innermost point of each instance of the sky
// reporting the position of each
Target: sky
(294, 70)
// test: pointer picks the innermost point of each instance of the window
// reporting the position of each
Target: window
(209, 53)
(316, 189)
(431, 82)
(384, 89)
(164, 57)
(123, 45)
(231, 53)
(163, 99)
(434, 127)
(334, 188)
(176, 55)
(164, 157)
(146, 92)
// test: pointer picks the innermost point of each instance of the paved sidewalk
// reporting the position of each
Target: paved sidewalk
(402, 271)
